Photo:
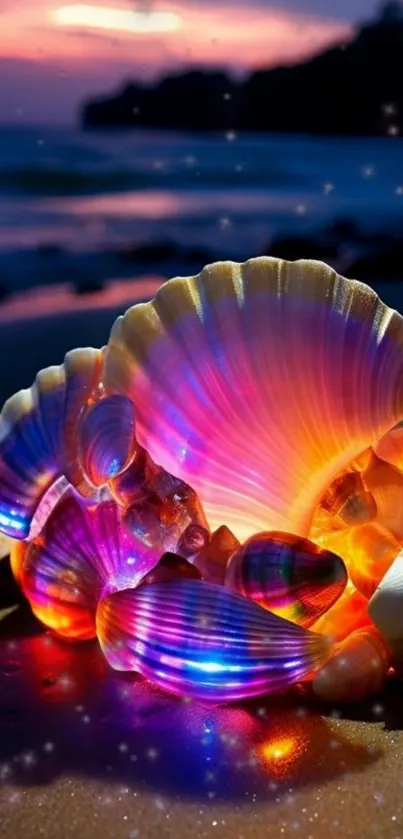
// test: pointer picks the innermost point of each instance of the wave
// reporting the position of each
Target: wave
(62, 181)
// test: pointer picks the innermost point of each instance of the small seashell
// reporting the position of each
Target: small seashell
(212, 559)
(81, 551)
(196, 639)
(106, 440)
(386, 485)
(372, 550)
(288, 575)
(356, 669)
(386, 605)
(350, 612)
(229, 378)
(348, 499)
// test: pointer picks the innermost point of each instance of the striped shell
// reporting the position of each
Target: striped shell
(197, 639)
(288, 575)
(81, 551)
(257, 384)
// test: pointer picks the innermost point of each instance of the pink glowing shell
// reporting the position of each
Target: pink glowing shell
(258, 383)
(82, 550)
(201, 640)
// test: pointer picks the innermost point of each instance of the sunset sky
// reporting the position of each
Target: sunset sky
(53, 53)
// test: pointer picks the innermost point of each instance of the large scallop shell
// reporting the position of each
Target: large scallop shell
(197, 639)
(288, 575)
(63, 425)
(258, 383)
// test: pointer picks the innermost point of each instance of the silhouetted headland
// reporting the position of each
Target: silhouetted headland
(352, 88)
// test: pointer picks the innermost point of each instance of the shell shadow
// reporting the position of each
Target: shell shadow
(384, 707)
(63, 711)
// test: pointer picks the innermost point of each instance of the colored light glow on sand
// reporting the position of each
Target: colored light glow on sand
(278, 750)
(123, 20)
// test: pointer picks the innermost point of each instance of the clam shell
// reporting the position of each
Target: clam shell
(81, 550)
(356, 669)
(288, 575)
(196, 639)
(257, 384)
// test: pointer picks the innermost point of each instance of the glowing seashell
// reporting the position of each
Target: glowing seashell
(196, 639)
(106, 438)
(386, 606)
(347, 498)
(350, 612)
(38, 438)
(212, 559)
(81, 551)
(372, 550)
(357, 668)
(386, 485)
(258, 383)
(288, 575)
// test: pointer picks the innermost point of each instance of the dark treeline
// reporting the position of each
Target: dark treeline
(353, 88)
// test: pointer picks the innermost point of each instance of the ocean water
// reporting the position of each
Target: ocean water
(84, 207)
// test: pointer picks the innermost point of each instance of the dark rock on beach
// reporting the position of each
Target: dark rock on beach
(343, 90)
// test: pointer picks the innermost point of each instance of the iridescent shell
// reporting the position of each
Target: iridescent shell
(257, 384)
(200, 640)
(53, 429)
(82, 550)
(356, 669)
(288, 575)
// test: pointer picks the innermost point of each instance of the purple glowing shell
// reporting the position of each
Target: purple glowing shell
(106, 438)
(81, 551)
(288, 575)
(64, 425)
(197, 639)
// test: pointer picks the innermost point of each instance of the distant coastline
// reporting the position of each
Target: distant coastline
(350, 89)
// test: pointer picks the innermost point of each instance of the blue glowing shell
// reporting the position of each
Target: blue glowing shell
(201, 640)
